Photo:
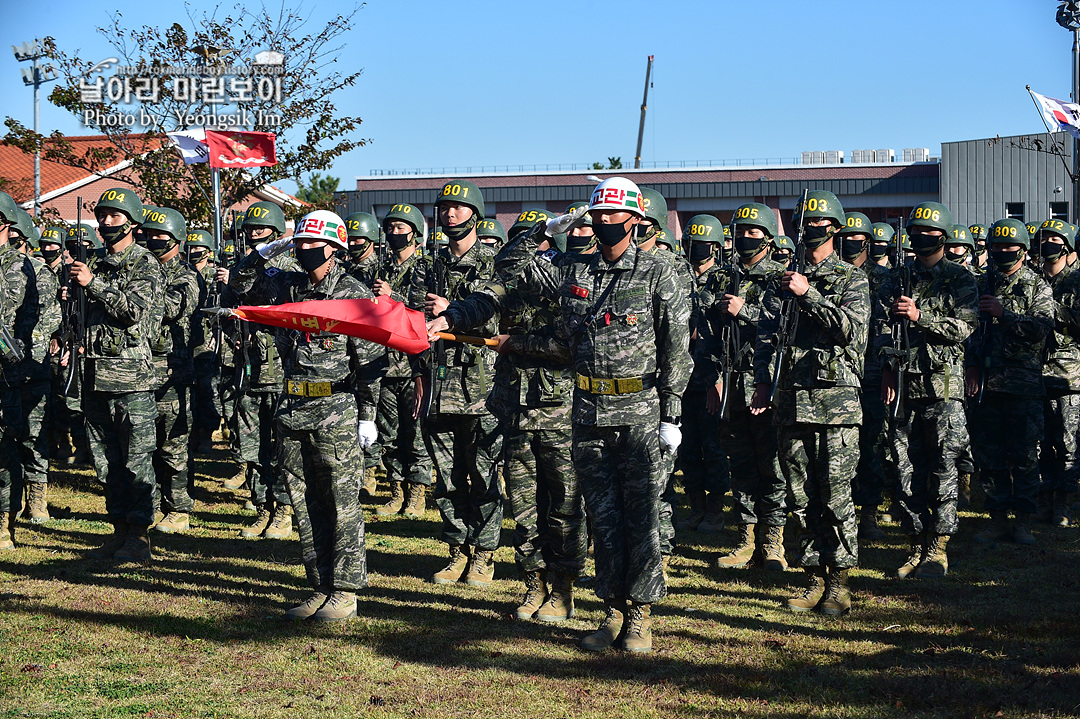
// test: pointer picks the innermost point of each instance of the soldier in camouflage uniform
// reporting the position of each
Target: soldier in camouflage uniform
(867, 486)
(165, 229)
(934, 314)
(324, 410)
(1058, 459)
(626, 323)
(978, 236)
(37, 376)
(730, 308)
(531, 398)
(960, 248)
(122, 290)
(580, 240)
(403, 277)
(461, 435)
(491, 233)
(1005, 357)
(199, 251)
(817, 399)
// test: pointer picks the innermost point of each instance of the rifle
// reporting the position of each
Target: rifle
(730, 342)
(985, 321)
(789, 308)
(73, 335)
(900, 352)
(437, 371)
(242, 377)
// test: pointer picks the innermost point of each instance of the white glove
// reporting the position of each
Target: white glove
(562, 223)
(366, 433)
(269, 250)
(670, 437)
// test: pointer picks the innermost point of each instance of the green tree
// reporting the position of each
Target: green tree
(614, 163)
(318, 191)
(310, 131)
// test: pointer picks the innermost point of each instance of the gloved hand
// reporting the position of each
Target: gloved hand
(670, 437)
(366, 433)
(562, 223)
(269, 250)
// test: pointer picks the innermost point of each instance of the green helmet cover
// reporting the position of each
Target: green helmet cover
(165, 220)
(821, 203)
(199, 238)
(24, 225)
(704, 228)
(123, 199)
(655, 207)
(856, 223)
(933, 215)
(7, 208)
(586, 219)
(84, 232)
(54, 234)
(528, 218)
(264, 214)
(491, 227)
(409, 215)
(362, 224)
(783, 242)
(978, 232)
(960, 236)
(1009, 232)
(758, 215)
(1032, 228)
(1064, 229)
(465, 193)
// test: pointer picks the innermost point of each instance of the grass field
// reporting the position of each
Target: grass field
(198, 633)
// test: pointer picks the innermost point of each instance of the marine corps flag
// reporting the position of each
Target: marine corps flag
(241, 149)
(1059, 116)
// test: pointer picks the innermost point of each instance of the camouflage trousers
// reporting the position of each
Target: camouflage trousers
(122, 435)
(34, 440)
(171, 454)
(253, 446)
(620, 472)
(875, 470)
(545, 499)
(318, 461)
(11, 471)
(758, 488)
(819, 462)
(1059, 461)
(924, 444)
(667, 509)
(204, 399)
(702, 455)
(465, 450)
(965, 461)
(403, 453)
(66, 415)
(1007, 451)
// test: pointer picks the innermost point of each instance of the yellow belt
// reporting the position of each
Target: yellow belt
(309, 389)
(600, 385)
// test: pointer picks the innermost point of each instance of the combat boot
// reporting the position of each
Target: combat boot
(809, 598)
(174, 523)
(112, 544)
(696, 499)
(743, 552)
(397, 501)
(137, 546)
(638, 634)
(772, 549)
(1044, 507)
(417, 504)
(280, 526)
(963, 496)
(837, 599)
(307, 608)
(1021, 531)
(610, 628)
(339, 607)
(7, 531)
(455, 570)
(256, 528)
(535, 594)
(997, 530)
(714, 515)
(936, 562)
(560, 601)
(916, 555)
(481, 568)
(868, 525)
(1062, 505)
(237, 480)
(369, 485)
(37, 507)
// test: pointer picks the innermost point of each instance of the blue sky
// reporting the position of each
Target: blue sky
(473, 82)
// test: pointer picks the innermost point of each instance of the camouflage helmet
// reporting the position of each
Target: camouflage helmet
(264, 214)
(1009, 232)
(1064, 229)
(933, 215)
(856, 223)
(7, 208)
(199, 238)
(491, 227)
(655, 207)
(755, 214)
(362, 224)
(465, 193)
(978, 232)
(408, 214)
(54, 234)
(821, 203)
(528, 218)
(704, 228)
(165, 220)
(122, 199)
(586, 219)
(960, 235)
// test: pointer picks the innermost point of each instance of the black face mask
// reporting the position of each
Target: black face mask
(925, 245)
(960, 259)
(50, 255)
(311, 258)
(112, 235)
(781, 257)
(357, 251)
(980, 250)
(1050, 251)
(399, 242)
(609, 235)
(815, 236)
(877, 250)
(196, 257)
(851, 249)
(747, 247)
(458, 232)
(644, 235)
(700, 252)
(159, 247)
(1005, 260)
(578, 243)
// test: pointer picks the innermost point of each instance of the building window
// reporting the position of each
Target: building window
(1014, 210)
(1059, 211)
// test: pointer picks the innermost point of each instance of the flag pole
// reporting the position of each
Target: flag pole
(1060, 152)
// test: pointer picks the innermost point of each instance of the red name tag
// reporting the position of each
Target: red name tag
(579, 291)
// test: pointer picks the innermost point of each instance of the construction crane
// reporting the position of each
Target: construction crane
(644, 105)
